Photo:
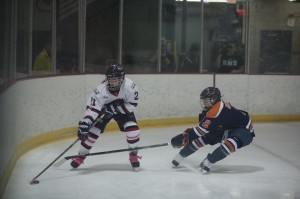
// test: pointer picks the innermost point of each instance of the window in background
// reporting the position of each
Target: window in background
(186, 46)
(5, 42)
(140, 36)
(42, 38)
(169, 56)
(67, 42)
(23, 32)
(224, 37)
(102, 34)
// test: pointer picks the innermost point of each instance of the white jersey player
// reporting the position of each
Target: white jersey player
(115, 98)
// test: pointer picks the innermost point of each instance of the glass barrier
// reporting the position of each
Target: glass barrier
(67, 37)
(157, 36)
(23, 33)
(42, 63)
(187, 34)
(224, 37)
(102, 35)
(5, 37)
(140, 36)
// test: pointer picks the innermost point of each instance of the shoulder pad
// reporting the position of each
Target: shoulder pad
(215, 110)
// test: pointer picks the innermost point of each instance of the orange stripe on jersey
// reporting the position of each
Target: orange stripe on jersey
(214, 111)
(200, 131)
(230, 146)
(198, 143)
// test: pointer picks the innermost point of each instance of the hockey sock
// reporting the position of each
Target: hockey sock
(193, 146)
(90, 141)
(229, 146)
(187, 150)
(218, 154)
(132, 134)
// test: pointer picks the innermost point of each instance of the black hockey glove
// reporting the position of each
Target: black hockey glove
(83, 130)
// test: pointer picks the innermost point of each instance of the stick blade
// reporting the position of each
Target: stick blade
(60, 162)
(34, 181)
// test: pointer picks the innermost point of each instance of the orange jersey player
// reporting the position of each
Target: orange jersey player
(218, 121)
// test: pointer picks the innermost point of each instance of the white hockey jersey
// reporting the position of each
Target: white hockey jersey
(101, 97)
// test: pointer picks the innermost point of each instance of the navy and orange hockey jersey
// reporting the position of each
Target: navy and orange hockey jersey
(223, 116)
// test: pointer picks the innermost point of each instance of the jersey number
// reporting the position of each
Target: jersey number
(136, 96)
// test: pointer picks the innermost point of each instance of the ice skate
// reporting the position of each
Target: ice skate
(177, 160)
(205, 166)
(77, 161)
(134, 160)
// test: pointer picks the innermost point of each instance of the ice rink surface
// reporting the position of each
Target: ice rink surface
(268, 168)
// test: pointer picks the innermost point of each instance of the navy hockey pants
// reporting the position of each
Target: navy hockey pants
(242, 136)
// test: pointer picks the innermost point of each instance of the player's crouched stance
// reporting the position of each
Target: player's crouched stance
(115, 98)
(219, 123)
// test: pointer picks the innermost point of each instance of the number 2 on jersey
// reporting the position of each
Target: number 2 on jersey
(93, 101)
(206, 123)
(136, 96)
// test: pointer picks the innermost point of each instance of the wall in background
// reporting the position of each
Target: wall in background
(35, 106)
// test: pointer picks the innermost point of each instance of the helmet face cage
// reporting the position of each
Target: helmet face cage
(115, 75)
(209, 97)
(114, 83)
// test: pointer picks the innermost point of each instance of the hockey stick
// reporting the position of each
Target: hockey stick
(107, 152)
(34, 180)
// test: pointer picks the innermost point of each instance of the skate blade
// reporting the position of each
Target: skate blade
(135, 169)
(203, 171)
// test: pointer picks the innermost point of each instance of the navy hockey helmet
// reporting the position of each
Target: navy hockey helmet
(115, 74)
(209, 97)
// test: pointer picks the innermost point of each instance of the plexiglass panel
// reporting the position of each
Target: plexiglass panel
(23, 33)
(102, 34)
(188, 36)
(157, 36)
(140, 36)
(224, 36)
(42, 38)
(67, 41)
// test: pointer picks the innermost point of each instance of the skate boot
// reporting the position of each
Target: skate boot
(77, 161)
(205, 166)
(177, 160)
(134, 160)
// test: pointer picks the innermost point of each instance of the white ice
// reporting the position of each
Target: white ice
(268, 168)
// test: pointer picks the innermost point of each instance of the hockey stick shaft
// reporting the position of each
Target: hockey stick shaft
(117, 151)
(31, 182)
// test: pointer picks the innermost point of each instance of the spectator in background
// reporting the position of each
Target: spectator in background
(167, 56)
(43, 61)
(168, 59)
(230, 60)
(189, 61)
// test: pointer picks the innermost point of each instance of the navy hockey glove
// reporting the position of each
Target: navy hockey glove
(181, 139)
(83, 130)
